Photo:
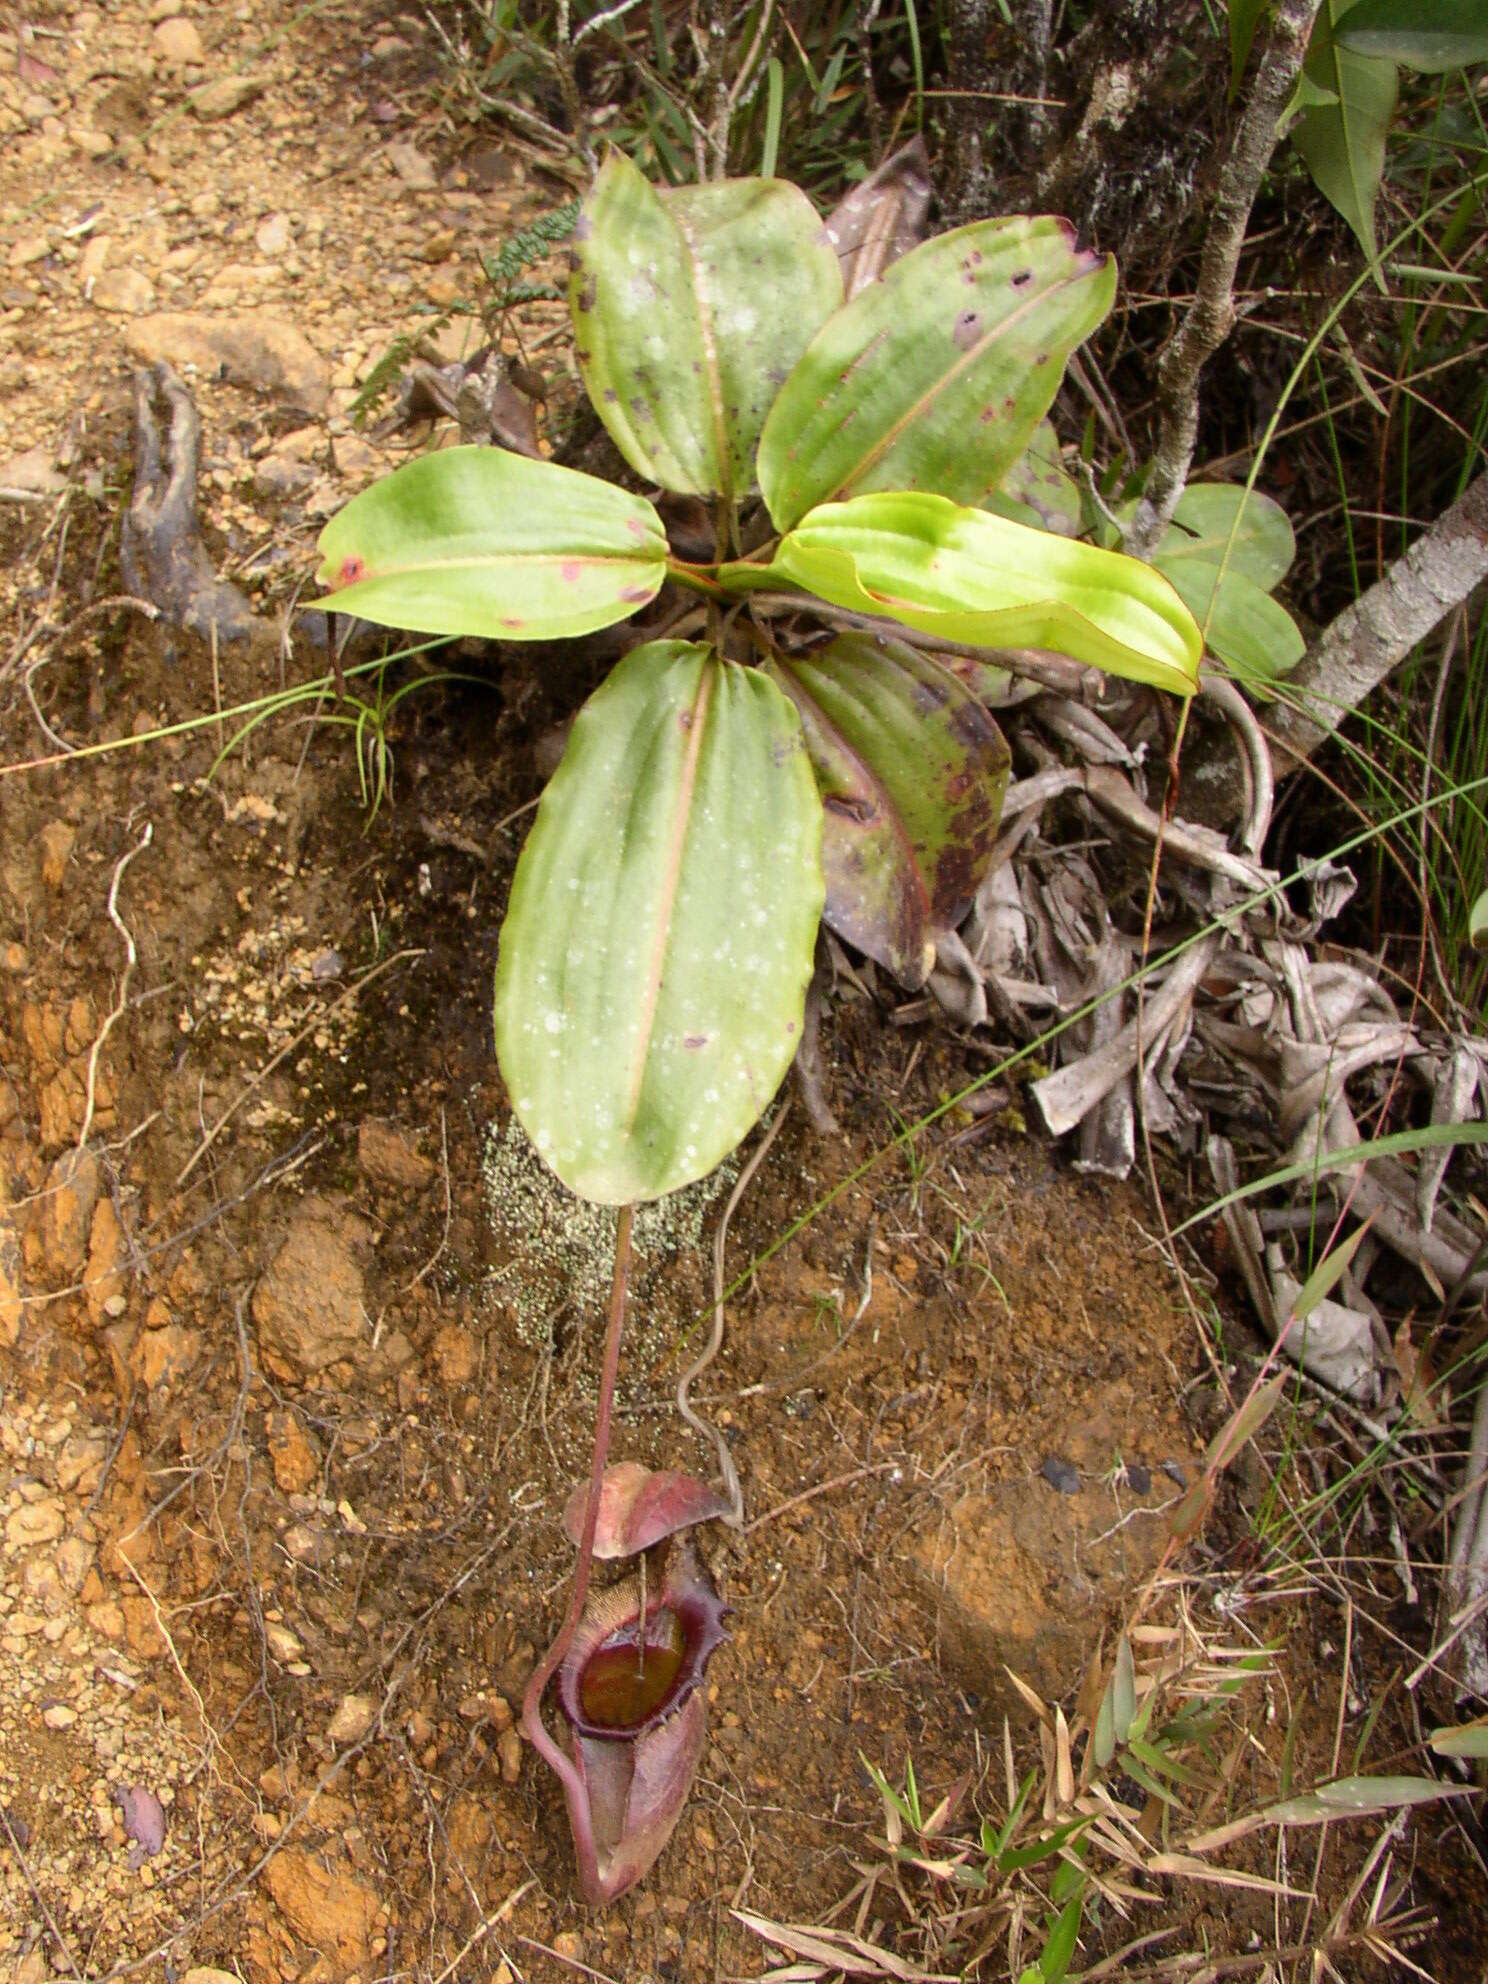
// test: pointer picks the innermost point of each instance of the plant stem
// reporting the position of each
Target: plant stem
(532, 1722)
(1356, 651)
(1210, 317)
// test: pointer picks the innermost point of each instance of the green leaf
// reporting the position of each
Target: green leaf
(1260, 546)
(1326, 1275)
(934, 377)
(1429, 35)
(1467, 1739)
(1123, 1690)
(689, 308)
(1344, 142)
(912, 772)
(1054, 1959)
(479, 541)
(1246, 628)
(658, 944)
(1242, 1425)
(1038, 489)
(1245, 16)
(1356, 1797)
(981, 581)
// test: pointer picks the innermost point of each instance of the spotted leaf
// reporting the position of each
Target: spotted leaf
(658, 944)
(935, 376)
(481, 542)
(689, 310)
(912, 772)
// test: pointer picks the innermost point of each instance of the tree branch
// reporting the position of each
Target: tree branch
(1211, 315)
(1355, 652)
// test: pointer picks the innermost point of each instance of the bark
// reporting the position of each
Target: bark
(1211, 315)
(1355, 652)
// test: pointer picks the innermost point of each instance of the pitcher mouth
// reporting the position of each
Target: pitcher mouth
(626, 1673)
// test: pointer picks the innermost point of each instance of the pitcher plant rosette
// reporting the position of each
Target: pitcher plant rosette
(798, 734)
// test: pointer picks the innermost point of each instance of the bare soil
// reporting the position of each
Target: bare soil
(298, 1355)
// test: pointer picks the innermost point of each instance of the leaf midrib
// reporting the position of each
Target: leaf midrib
(677, 845)
(943, 382)
(486, 560)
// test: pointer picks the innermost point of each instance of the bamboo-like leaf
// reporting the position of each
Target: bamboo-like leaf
(477, 541)
(1327, 1274)
(1429, 35)
(658, 944)
(1466, 1739)
(934, 377)
(983, 581)
(1343, 141)
(1242, 1425)
(689, 309)
(1346, 1798)
(912, 771)
(1123, 1690)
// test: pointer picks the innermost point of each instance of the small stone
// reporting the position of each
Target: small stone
(74, 1561)
(93, 144)
(64, 1213)
(271, 236)
(569, 1945)
(252, 349)
(34, 473)
(30, 248)
(35, 1522)
(124, 292)
(300, 1542)
(388, 1156)
(296, 1463)
(509, 1751)
(56, 840)
(106, 1618)
(283, 1644)
(325, 1905)
(178, 43)
(229, 93)
(309, 1306)
(1061, 1475)
(412, 166)
(102, 1279)
(94, 256)
(443, 290)
(59, 1716)
(457, 1355)
(352, 1719)
(1138, 1478)
(440, 245)
(163, 1357)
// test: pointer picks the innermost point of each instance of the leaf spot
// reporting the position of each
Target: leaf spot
(569, 571)
(1022, 279)
(964, 331)
(351, 570)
